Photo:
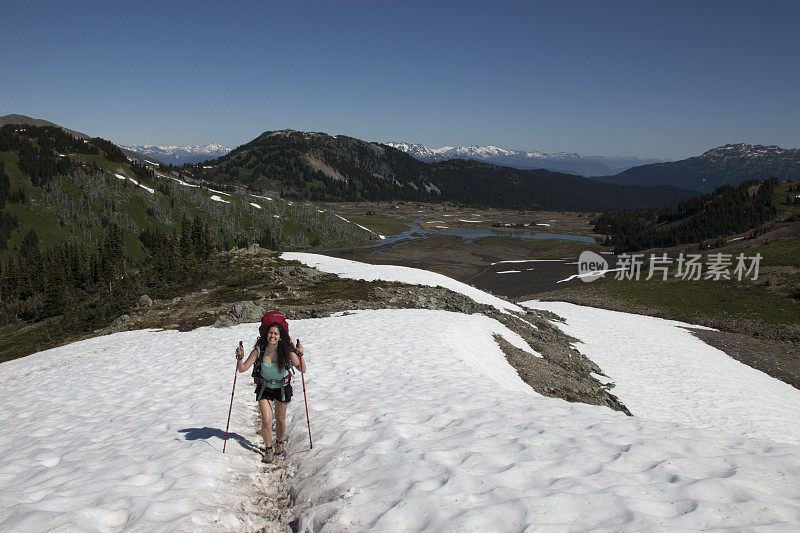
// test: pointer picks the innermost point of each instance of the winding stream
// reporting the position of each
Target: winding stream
(416, 233)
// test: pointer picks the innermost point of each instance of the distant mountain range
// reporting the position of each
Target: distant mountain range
(178, 155)
(729, 164)
(320, 167)
(568, 162)
(571, 163)
(336, 158)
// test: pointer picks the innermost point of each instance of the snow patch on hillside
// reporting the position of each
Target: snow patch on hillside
(353, 269)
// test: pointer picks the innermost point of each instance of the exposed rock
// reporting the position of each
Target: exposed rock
(240, 313)
(550, 379)
(121, 322)
(306, 313)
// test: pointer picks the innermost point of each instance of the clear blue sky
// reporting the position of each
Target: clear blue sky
(661, 79)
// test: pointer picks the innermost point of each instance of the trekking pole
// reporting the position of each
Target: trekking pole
(303, 379)
(225, 442)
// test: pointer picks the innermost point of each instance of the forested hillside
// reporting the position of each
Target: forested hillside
(726, 211)
(317, 166)
(84, 231)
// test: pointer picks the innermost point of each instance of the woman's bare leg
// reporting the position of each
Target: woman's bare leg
(266, 421)
(280, 420)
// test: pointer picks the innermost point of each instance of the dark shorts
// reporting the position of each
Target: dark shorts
(274, 394)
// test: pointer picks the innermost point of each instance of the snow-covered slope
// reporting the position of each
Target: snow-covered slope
(178, 155)
(573, 163)
(693, 382)
(419, 424)
(346, 268)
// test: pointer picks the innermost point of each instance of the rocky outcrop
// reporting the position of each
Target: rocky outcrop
(240, 313)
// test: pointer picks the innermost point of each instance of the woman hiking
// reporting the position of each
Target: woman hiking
(275, 353)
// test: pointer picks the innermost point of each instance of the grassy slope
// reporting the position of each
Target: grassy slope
(773, 299)
(718, 299)
(385, 225)
(134, 202)
(781, 190)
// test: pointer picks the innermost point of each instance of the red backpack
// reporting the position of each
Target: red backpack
(271, 317)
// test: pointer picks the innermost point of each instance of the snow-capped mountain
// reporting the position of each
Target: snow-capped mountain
(753, 151)
(178, 155)
(569, 162)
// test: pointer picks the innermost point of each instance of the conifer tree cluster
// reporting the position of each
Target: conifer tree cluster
(728, 210)
(111, 150)
(94, 282)
(41, 282)
(793, 194)
(8, 221)
(172, 256)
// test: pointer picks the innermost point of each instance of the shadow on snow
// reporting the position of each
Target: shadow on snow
(206, 433)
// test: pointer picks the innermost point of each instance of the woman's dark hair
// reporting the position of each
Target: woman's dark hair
(284, 346)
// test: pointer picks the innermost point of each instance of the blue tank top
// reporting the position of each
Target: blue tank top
(271, 371)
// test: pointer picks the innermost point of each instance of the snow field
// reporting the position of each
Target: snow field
(663, 372)
(430, 432)
(125, 432)
(418, 423)
(345, 268)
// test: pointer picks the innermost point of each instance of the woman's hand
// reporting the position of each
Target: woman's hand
(298, 356)
(247, 363)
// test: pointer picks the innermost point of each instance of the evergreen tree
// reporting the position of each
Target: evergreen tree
(267, 239)
(8, 223)
(5, 186)
(186, 247)
(726, 211)
(54, 284)
(111, 259)
(29, 243)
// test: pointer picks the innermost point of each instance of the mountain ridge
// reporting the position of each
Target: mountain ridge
(321, 167)
(729, 164)
(180, 154)
(22, 120)
(568, 162)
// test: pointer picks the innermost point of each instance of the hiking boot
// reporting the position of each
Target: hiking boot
(279, 449)
(267, 455)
